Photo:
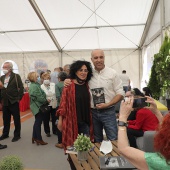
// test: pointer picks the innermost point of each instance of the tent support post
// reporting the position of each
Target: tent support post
(61, 58)
(148, 23)
(162, 14)
(44, 22)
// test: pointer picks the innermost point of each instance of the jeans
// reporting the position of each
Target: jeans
(37, 126)
(104, 118)
(46, 121)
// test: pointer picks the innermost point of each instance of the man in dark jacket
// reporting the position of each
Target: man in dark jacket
(10, 95)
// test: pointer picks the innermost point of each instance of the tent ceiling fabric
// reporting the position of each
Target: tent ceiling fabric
(76, 24)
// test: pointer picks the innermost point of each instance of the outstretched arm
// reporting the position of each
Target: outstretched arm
(153, 108)
(135, 156)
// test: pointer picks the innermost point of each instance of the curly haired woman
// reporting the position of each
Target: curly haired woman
(74, 110)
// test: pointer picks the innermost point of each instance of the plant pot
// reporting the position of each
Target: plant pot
(82, 155)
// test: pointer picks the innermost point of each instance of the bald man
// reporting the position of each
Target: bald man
(103, 113)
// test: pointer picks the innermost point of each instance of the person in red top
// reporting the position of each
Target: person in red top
(145, 121)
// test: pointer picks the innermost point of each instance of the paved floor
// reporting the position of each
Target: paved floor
(34, 157)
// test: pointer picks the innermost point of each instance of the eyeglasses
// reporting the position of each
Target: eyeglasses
(85, 71)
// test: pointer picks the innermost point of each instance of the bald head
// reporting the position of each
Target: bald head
(97, 57)
(97, 51)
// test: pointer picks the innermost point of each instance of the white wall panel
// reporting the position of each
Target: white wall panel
(116, 59)
(26, 62)
(167, 11)
(148, 57)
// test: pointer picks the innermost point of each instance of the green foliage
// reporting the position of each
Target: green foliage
(159, 81)
(11, 162)
(153, 82)
(82, 143)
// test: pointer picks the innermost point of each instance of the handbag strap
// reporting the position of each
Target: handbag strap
(42, 95)
(35, 103)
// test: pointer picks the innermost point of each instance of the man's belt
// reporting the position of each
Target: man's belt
(103, 108)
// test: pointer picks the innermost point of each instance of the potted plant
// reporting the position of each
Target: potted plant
(160, 75)
(11, 162)
(82, 145)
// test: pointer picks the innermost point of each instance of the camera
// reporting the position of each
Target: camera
(140, 102)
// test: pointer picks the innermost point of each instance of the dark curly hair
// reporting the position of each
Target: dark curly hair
(76, 65)
(138, 92)
(147, 91)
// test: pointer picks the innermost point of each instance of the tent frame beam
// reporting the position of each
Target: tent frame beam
(44, 22)
(67, 50)
(149, 21)
(70, 28)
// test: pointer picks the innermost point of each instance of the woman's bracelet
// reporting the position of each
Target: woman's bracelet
(122, 128)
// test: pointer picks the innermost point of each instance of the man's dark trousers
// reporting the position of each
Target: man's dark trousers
(11, 109)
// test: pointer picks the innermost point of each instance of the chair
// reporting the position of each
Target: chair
(145, 142)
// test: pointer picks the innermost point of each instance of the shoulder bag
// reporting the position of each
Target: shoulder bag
(44, 108)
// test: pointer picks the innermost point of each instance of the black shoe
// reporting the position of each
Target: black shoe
(48, 135)
(3, 137)
(3, 146)
(15, 139)
(55, 133)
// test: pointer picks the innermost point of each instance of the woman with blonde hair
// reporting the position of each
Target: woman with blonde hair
(37, 98)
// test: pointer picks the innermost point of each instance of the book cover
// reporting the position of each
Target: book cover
(98, 95)
(115, 162)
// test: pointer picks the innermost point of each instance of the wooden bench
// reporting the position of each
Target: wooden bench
(93, 158)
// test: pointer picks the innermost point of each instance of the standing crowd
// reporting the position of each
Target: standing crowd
(82, 99)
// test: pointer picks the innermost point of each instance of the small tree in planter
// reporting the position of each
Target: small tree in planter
(159, 81)
(82, 145)
(153, 82)
(11, 162)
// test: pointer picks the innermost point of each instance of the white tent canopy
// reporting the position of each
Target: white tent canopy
(60, 31)
(73, 24)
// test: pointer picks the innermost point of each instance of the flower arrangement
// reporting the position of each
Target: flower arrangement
(11, 162)
(82, 143)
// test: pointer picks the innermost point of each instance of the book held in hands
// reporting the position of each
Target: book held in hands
(98, 95)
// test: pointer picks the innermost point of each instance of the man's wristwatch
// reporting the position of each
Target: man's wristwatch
(121, 123)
